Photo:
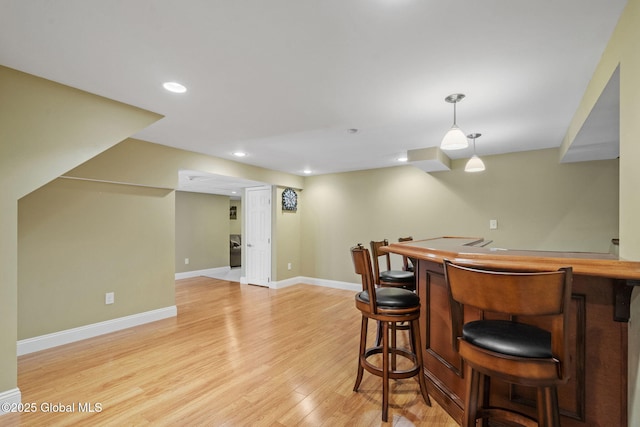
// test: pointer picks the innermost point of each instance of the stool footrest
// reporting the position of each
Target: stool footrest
(507, 415)
(393, 374)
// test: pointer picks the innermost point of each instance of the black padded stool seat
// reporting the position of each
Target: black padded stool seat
(503, 336)
(389, 307)
(389, 278)
(392, 298)
(399, 277)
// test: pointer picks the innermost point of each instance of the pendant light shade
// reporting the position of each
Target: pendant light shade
(475, 163)
(454, 139)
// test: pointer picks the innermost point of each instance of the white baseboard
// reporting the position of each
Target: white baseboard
(356, 287)
(43, 342)
(205, 272)
(221, 271)
(8, 399)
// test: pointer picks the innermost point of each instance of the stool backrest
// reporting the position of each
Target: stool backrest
(362, 264)
(406, 263)
(376, 253)
(545, 294)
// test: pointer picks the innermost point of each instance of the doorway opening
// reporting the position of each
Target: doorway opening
(233, 260)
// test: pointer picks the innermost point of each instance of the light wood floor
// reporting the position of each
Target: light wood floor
(236, 355)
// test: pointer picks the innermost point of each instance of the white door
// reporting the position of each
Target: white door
(258, 235)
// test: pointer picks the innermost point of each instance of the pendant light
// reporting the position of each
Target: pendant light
(475, 163)
(455, 138)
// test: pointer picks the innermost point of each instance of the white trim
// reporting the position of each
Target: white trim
(206, 272)
(356, 287)
(9, 397)
(43, 342)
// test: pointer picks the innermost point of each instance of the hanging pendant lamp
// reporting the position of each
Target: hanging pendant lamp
(475, 163)
(455, 139)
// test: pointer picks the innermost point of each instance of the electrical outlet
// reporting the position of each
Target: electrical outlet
(186, 260)
(289, 266)
(109, 298)
(493, 224)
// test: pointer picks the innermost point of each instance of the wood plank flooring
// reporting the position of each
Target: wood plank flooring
(236, 355)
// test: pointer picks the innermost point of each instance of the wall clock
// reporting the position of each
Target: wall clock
(289, 200)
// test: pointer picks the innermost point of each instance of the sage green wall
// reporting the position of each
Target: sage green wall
(288, 245)
(202, 231)
(123, 163)
(144, 163)
(45, 129)
(539, 204)
(622, 50)
(78, 240)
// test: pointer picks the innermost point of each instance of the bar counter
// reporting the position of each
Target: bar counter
(596, 394)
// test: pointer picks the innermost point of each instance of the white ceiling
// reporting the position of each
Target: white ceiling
(284, 80)
(202, 182)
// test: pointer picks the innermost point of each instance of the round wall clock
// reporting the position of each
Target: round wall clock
(289, 200)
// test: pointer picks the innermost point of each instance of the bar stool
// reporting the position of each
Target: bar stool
(389, 277)
(389, 306)
(515, 352)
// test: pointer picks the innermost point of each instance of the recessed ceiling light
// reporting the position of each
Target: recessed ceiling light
(239, 153)
(306, 171)
(174, 87)
(352, 130)
(402, 159)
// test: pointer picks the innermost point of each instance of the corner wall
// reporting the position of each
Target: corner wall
(78, 240)
(45, 129)
(539, 204)
(202, 231)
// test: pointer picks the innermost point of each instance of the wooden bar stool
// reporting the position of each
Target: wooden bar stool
(389, 306)
(389, 277)
(511, 350)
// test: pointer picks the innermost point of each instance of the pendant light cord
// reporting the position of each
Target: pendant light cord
(454, 113)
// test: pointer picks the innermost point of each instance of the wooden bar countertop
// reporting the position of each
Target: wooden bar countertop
(476, 251)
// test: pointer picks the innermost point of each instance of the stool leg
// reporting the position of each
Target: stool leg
(548, 412)
(416, 343)
(363, 349)
(471, 399)
(484, 393)
(540, 401)
(385, 371)
(394, 345)
(552, 407)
